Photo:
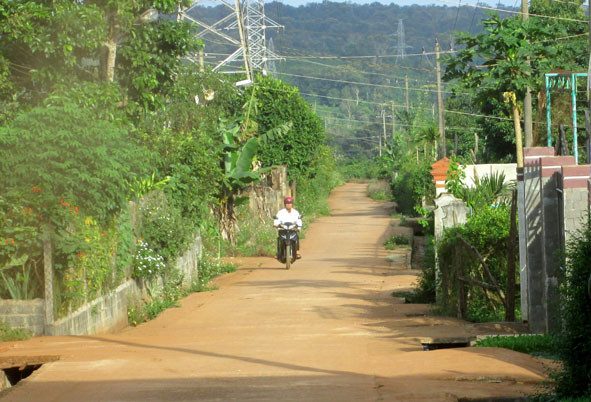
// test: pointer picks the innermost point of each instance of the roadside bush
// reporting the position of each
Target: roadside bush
(575, 339)
(301, 149)
(379, 190)
(7, 333)
(254, 238)
(162, 226)
(358, 168)
(313, 191)
(411, 185)
(487, 231)
(396, 241)
(537, 345)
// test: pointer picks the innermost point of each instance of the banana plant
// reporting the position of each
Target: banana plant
(239, 158)
(239, 155)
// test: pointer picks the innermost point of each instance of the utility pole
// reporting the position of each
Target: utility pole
(406, 86)
(393, 125)
(441, 125)
(384, 124)
(527, 110)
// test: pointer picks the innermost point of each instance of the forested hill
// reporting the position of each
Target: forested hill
(346, 29)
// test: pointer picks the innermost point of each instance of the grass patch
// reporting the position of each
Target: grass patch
(536, 345)
(379, 190)
(254, 238)
(396, 241)
(7, 333)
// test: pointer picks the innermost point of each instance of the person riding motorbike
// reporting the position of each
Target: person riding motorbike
(288, 214)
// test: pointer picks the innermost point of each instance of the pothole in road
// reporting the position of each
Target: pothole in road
(444, 343)
(16, 369)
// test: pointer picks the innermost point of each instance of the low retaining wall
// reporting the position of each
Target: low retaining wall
(24, 314)
(108, 313)
(105, 314)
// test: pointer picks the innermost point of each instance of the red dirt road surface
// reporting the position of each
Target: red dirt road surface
(326, 330)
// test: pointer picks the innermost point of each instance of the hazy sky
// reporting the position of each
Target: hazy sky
(449, 3)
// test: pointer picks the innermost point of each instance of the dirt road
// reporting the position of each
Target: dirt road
(326, 330)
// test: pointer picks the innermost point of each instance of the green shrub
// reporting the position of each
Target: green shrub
(575, 339)
(379, 190)
(358, 168)
(312, 192)
(411, 185)
(488, 232)
(162, 226)
(160, 299)
(83, 162)
(395, 241)
(537, 345)
(12, 334)
(254, 238)
(210, 268)
(427, 283)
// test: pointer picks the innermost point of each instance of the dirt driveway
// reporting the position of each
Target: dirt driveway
(326, 330)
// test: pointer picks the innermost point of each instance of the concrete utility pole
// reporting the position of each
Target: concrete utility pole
(393, 124)
(384, 124)
(406, 86)
(441, 125)
(527, 108)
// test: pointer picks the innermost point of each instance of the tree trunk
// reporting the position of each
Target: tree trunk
(48, 274)
(518, 134)
(227, 220)
(110, 53)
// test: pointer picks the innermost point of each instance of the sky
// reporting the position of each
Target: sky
(450, 3)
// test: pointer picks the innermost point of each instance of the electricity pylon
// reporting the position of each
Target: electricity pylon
(242, 30)
(401, 43)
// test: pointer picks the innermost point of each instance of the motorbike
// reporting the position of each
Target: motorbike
(288, 237)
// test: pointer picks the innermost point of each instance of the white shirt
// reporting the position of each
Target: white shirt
(284, 216)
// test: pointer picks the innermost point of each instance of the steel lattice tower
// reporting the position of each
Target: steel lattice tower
(242, 29)
(401, 43)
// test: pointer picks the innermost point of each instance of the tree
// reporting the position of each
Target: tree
(277, 104)
(506, 46)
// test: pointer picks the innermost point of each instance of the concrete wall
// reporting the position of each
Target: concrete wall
(266, 198)
(104, 314)
(24, 314)
(553, 202)
(472, 171)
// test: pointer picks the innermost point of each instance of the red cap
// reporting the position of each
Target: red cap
(288, 200)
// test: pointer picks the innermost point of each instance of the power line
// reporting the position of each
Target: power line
(363, 83)
(513, 12)
(365, 57)
(352, 69)
(396, 105)
(397, 124)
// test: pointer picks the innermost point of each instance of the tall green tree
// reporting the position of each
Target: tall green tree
(277, 104)
(505, 47)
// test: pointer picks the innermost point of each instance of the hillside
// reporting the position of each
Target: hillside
(347, 60)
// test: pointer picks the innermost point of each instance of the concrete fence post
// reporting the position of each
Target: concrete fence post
(530, 239)
(551, 238)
